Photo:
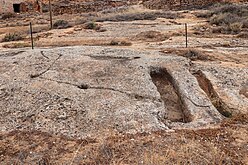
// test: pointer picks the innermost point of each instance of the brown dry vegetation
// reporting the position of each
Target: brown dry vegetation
(151, 36)
(144, 15)
(12, 37)
(226, 144)
(228, 18)
(193, 54)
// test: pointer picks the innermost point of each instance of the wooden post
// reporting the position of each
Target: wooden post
(51, 17)
(31, 33)
(186, 34)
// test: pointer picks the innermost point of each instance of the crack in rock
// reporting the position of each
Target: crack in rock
(86, 86)
(43, 54)
(46, 70)
(95, 57)
(11, 54)
(196, 104)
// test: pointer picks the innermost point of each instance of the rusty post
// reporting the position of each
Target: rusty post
(186, 34)
(51, 17)
(31, 33)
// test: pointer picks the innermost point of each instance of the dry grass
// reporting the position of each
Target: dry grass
(12, 37)
(192, 54)
(151, 36)
(224, 145)
(17, 45)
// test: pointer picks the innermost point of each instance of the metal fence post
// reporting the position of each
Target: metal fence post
(31, 33)
(186, 34)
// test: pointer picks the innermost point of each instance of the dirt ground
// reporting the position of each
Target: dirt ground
(127, 92)
(224, 145)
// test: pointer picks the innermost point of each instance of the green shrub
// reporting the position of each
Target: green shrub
(61, 24)
(12, 37)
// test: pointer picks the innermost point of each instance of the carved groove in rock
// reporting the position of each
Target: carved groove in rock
(163, 81)
(208, 88)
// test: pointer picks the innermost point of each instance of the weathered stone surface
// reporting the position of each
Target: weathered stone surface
(78, 92)
(87, 91)
(229, 83)
(197, 107)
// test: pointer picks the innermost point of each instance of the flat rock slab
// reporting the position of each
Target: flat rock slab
(95, 91)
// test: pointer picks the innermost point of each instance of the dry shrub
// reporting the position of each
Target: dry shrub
(229, 18)
(8, 15)
(235, 27)
(204, 14)
(12, 37)
(239, 9)
(91, 25)
(245, 23)
(138, 16)
(120, 43)
(219, 29)
(243, 35)
(194, 54)
(151, 36)
(61, 24)
(223, 19)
